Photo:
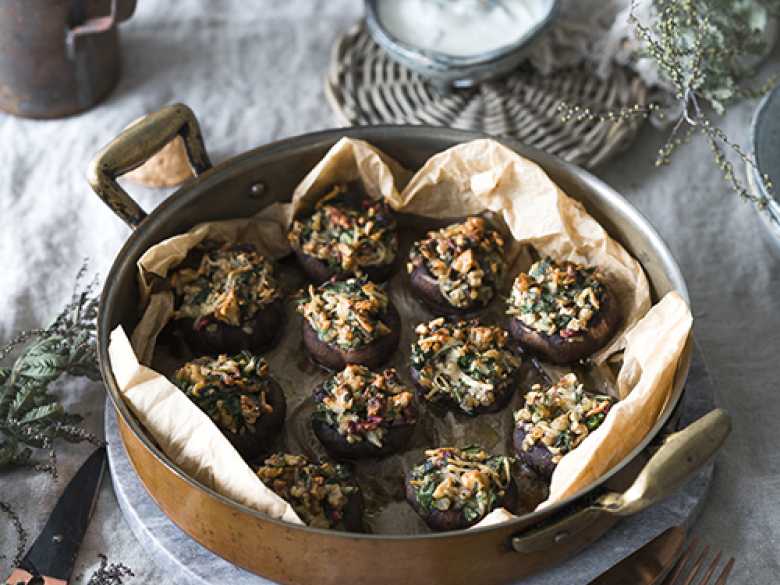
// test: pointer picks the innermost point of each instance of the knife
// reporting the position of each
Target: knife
(51, 558)
(650, 564)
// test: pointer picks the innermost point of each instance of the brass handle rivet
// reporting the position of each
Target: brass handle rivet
(560, 537)
(256, 190)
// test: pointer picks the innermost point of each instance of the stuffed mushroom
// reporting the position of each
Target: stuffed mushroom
(349, 322)
(456, 488)
(361, 413)
(347, 234)
(324, 495)
(464, 365)
(239, 395)
(555, 421)
(562, 311)
(458, 269)
(226, 299)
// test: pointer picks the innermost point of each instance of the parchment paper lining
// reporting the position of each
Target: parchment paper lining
(481, 176)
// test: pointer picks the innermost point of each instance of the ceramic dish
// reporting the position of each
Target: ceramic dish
(450, 70)
(766, 150)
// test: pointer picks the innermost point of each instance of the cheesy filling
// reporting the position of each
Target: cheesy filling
(230, 285)
(560, 417)
(346, 236)
(318, 492)
(466, 259)
(469, 480)
(347, 313)
(557, 298)
(362, 405)
(464, 361)
(232, 390)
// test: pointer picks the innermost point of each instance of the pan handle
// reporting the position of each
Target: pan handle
(137, 144)
(680, 455)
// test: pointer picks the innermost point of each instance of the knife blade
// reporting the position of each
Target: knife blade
(649, 564)
(51, 557)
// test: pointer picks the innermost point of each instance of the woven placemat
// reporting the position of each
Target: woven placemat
(365, 86)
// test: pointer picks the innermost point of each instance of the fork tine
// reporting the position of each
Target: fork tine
(711, 571)
(697, 566)
(694, 572)
(725, 573)
(682, 561)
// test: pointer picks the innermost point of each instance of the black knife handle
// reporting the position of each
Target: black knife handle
(54, 551)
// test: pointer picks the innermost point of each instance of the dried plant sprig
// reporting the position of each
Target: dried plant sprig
(716, 138)
(109, 574)
(21, 533)
(576, 113)
(31, 416)
(701, 49)
(705, 48)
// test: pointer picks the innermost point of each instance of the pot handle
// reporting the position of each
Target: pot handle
(137, 144)
(680, 455)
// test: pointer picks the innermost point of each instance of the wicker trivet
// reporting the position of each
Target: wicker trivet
(365, 86)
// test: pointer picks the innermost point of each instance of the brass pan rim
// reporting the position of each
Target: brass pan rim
(594, 190)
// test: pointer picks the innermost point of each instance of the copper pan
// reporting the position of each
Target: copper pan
(293, 554)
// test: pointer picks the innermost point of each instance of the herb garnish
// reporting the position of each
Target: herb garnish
(347, 313)
(231, 284)
(363, 405)
(318, 492)
(232, 390)
(467, 260)
(463, 360)
(31, 417)
(347, 235)
(469, 480)
(561, 416)
(559, 298)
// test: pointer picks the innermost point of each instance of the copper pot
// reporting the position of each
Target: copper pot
(288, 553)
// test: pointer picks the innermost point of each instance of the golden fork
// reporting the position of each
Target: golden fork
(684, 575)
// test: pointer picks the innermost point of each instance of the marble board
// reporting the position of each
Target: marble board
(185, 562)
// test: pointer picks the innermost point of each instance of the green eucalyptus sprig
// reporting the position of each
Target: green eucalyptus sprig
(703, 51)
(32, 417)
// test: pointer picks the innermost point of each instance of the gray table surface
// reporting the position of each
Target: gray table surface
(253, 73)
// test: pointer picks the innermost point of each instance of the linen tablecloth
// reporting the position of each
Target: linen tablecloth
(253, 73)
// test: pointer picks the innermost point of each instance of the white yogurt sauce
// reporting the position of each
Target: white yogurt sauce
(461, 28)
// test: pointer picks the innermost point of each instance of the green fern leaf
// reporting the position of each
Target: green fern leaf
(6, 399)
(43, 367)
(23, 401)
(32, 417)
(42, 413)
